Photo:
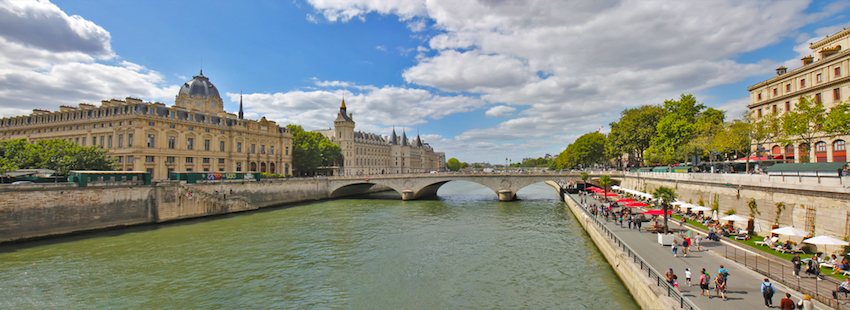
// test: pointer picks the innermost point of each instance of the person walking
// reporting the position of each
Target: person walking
(686, 243)
(669, 276)
(767, 290)
(724, 274)
(675, 248)
(696, 242)
(844, 287)
(798, 263)
(806, 303)
(786, 303)
(720, 286)
(629, 220)
(688, 276)
(704, 280)
(639, 223)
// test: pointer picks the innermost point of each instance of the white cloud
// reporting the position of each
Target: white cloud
(417, 25)
(500, 111)
(381, 48)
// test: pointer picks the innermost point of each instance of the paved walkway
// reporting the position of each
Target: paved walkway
(743, 286)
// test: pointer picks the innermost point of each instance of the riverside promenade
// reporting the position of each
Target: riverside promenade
(743, 284)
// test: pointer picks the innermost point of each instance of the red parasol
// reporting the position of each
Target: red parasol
(637, 204)
(625, 200)
(657, 212)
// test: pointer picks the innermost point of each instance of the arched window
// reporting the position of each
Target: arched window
(776, 150)
(839, 153)
(271, 168)
(262, 167)
(820, 151)
(789, 153)
(253, 166)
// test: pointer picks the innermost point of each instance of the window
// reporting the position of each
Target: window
(172, 141)
(759, 112)
(836, 94)
(253, 148)
(151, 124)
(120, 159)
(820, 147)
(190, 144)
(207, 130)
(149, 159)
(837, 71)
(262, 149)
(802, 83)
(109, 142)
(129, 140)
(120, 141)
(759, 96)
(787, 106)
(101, 141)
(238, 147)
(838, 145)
(774, 109)
(222, 132)
(191, 128)
(271, 149)
(819, 78)
(190, 160)
(206, 160)
(221, 146)
(221, 161)
(817, 98)
(84, 141)
(774, 91)
(169, 160)
(151, 139)
(171, 126)
(206, 145)
(129, 159)
(287, 150)
(94, 141)
(238, 166)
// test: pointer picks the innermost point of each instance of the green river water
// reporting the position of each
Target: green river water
(466, 250)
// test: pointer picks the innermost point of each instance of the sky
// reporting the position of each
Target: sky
(483, 81)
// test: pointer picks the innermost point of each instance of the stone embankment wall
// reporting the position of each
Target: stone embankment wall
(40, 210)
(821, 206)
(647, 294)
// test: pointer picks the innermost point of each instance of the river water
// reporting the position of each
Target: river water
(466, 250)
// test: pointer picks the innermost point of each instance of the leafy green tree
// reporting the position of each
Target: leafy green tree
(453, 164)
(589, 149)
(667, 196)
(312, 149)
(838, 119)
(733, 138)
(634, 132)
(804, 123)
(584, 177)
(760, 131)
(58, 154)
(605, 180)
(6, 166)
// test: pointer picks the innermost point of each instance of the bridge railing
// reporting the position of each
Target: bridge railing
(651, 273)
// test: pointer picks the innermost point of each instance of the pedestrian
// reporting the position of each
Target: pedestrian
(688, 276)
(806, 303)
(696, 242)
(629, 219)
(676, 282)
(720, 286)
(639, 223)
(844, 287)
(814, 268)
(786, 303)
(723, 273)
(798, 263)
(767, 290)
(686, 243)
(704, 280)
(675, 248)
(669, 276)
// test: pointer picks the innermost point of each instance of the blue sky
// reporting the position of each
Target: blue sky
(480, 80)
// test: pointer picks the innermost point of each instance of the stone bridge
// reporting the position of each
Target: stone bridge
(416, 186)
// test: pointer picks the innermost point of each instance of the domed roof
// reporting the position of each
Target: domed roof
(199, 85)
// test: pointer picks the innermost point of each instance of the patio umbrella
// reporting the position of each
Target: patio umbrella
(611, 194)
(826, 240)
(790, 231)
(756, 226)
(734, 218)
(615, 187)
(678, 203)
(657, 212)
(626, 200)
(714, 215)
(636, 205)
(700, 208)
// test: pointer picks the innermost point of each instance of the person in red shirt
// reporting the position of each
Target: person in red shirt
(786, 303)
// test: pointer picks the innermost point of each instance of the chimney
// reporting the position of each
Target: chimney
(807, 60)
(781, 70)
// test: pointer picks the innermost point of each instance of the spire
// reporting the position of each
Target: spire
(393, 138)
(404, 138)
(240, 103)
(418, 141)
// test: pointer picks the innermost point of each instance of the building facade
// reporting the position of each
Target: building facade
(824, 77)
(194, 134)
(372, 154)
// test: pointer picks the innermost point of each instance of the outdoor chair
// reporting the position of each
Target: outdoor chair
(769, 242)
(742, 236)
(796, 249)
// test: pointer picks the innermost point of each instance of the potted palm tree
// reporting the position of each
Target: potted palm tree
(584, 177)
(667, 195)
(605, 180)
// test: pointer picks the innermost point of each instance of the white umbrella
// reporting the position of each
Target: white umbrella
(734, 218)
(790, 231)
(700, 208)
(714, 215)
(615, 187)
(678, 203)
(756, 226)
(826, 240)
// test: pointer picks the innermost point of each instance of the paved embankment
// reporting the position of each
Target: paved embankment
(743, 284)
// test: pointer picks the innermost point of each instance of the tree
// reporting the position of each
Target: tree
(605, 180)
(312, 149)
(634, 131)
(734, 138)
(589, 149)
(760, 131)
(453, 164)
(804, 124)
(667, 196)
(58, 154)
(687, 129)
(584, 177)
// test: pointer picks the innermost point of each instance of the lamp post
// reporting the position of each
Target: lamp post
(506, 164)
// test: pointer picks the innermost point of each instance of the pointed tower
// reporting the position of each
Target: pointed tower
(393, 138)
(344, 136)
(241, 114)
(404, 138)
(418, 142)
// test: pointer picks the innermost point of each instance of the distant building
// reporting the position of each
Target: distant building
(194, 134)
(824, 77)
(372, 154)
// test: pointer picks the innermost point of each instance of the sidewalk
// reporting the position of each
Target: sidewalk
(743, 284)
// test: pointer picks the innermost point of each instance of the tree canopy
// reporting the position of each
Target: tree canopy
(453, 164)
(587, 150)
(312, 149)
(57, 154)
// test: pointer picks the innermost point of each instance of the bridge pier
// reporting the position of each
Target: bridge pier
(407, 195)
(506, 195)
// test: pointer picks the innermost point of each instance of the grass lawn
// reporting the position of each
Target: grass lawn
(766, 250)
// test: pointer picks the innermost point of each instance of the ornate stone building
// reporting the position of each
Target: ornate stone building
(371, 154)
(825, 78)
(194, 134)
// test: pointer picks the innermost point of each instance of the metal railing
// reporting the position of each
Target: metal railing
(779, 272)
(651, 273)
